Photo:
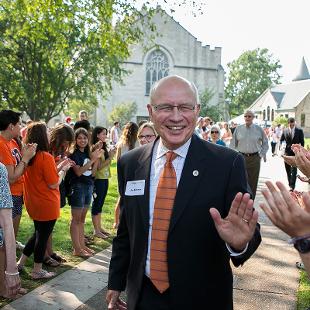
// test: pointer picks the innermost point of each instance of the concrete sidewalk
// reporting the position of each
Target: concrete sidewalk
(269, 280)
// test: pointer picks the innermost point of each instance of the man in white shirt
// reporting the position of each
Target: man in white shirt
(209, 223)
(115, 133)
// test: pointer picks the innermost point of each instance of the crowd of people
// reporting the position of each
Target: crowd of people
(46, 168)
(70, 164)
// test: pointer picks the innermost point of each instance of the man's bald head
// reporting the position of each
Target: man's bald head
(174, 79)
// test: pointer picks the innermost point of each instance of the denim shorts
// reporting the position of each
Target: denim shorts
(81, 195)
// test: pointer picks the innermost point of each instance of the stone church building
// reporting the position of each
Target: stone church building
(286, 100)
(175, 51)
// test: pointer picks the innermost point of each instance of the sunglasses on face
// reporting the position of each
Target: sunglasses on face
(248, 116)
(147, 137)
(214, 132)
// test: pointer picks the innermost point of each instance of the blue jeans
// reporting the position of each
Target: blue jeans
(81, 195)
(100, 192)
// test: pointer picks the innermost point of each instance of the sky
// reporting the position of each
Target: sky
(283, 27)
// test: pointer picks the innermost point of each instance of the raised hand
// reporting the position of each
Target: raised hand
(303, 163)
(290, 160)
(284, 211)
(96, 154)
(29, 150)
(237, 229)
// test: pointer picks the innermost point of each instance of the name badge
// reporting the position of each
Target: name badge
(135, 188)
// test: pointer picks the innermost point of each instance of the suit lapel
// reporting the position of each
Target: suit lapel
(193, 172)
(143, 173)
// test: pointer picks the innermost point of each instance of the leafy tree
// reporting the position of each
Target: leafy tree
(55, 52)
(123, 112)
(205, 98)
(280, 120)
(215, 112)
(252, 73)
(77, 105)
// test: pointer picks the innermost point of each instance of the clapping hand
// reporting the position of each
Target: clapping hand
(284, 211)
(97, 146)
(29, 150)
(237, 229)
(96, 154)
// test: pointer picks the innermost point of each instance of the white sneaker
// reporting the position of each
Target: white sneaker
(19, 246)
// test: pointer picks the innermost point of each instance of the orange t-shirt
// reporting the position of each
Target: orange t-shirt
(10, 155)
(42, 203)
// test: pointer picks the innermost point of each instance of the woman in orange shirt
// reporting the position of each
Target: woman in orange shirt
(14, 160)
(42, 198)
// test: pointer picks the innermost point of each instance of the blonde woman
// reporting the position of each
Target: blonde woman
(146, 133)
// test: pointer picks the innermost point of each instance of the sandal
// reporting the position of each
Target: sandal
(300, 265)
(58, 258)
(42, 274)
(48, 261)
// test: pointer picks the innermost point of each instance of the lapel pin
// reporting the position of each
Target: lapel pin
(195, 173)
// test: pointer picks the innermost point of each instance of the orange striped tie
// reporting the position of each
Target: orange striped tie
(167, 187)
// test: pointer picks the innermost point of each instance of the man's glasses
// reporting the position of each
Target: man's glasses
(214, 131)
(248, 116)
(168, 108)
(147, 137)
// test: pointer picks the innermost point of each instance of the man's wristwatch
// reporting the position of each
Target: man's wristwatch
(301, 244)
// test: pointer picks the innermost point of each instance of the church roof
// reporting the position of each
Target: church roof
(303, 73)
(287, 96)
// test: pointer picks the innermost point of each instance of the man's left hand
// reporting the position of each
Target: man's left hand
(237, 229)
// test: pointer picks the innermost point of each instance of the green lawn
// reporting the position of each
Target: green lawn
(61, 236)
(303, 295)
(307, 142)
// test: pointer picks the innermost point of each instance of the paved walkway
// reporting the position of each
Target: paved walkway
(269, 280)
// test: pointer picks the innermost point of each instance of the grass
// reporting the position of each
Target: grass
(61, 236)
(303, 295)
(307, 142)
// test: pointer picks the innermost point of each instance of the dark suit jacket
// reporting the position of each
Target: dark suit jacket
(198, 262)
(297, 139)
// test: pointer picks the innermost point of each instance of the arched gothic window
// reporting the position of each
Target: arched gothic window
(157, 67)
(272, 115)
(264, 115)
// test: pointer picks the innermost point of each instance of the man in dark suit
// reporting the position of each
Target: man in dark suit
(212, 219)
(291, 135)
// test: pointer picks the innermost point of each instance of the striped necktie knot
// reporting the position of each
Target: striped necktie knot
(170, 157)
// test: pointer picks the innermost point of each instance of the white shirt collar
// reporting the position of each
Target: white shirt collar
(181, 151)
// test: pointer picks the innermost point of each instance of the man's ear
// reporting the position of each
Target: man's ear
(149, 108)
